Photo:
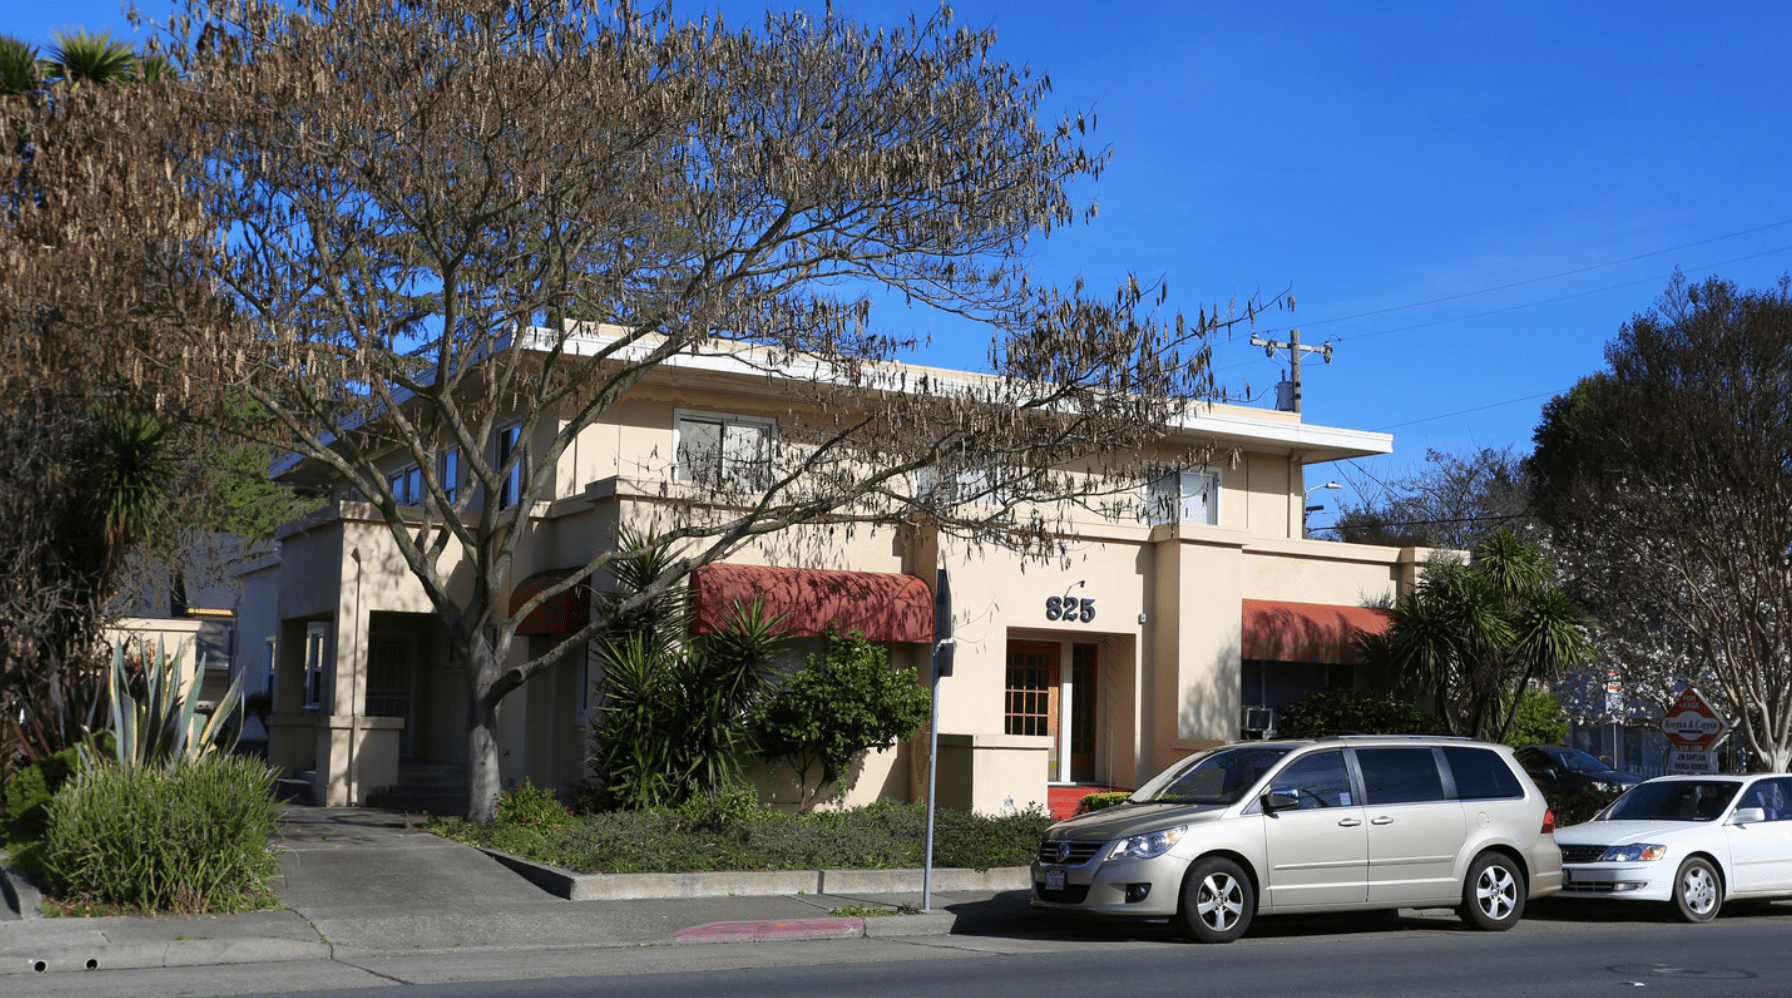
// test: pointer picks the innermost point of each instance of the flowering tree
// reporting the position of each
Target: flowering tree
(1666, 479)
(454, 226)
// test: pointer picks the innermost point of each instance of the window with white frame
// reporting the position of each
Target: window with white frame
(317, 660)
(509, 442)
(717, 449)
(1188, 496)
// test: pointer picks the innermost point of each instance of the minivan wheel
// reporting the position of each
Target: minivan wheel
(1493, 893)
(1217, 901)
(1698, 892)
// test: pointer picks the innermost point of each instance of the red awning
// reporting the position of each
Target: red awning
(1308, 632)
(887, 608)
(568, 611)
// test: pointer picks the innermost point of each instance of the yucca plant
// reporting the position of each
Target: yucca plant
(165, 728)
(20, 70)
(91, 57)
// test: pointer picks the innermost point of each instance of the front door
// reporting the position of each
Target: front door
(1318, 852)
(1032, 694)
(1761, 852)
(1083, 708)
(392, 684)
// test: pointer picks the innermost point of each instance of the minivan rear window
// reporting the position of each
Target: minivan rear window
(1481, 773)
(1399, 775)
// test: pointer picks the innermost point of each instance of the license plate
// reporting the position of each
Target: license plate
(1054, 880)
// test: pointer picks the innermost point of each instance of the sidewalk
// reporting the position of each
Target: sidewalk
(357, 883)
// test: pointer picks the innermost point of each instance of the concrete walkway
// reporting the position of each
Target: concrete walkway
(358, 883)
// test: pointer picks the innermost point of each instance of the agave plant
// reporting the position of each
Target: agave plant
(165, 728)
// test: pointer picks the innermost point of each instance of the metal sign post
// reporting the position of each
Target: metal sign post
(942, 666)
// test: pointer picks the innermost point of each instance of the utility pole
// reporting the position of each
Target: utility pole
(1295, 348)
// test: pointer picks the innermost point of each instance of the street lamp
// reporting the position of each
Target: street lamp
(1313, 509)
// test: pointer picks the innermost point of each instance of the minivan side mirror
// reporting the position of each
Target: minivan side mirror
(1280, 800)
(1748, 815)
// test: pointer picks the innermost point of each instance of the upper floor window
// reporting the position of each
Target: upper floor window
(1189, 496)
(509, 441)
(723, 450)
(406, 485)
(451, 472)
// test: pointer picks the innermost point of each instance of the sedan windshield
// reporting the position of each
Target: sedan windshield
(1222, 776)
(1577, 761)
(1677, 800)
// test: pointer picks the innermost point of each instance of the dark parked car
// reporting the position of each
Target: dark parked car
(1556, 767)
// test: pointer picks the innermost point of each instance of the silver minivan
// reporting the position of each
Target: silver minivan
(1357, 822)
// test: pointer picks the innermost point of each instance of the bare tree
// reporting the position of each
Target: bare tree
(1455, 501)
(1667, 482)
(99, 297)
(452, 220)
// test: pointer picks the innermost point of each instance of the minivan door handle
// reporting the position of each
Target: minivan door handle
(1350, 822)
(1383, 820)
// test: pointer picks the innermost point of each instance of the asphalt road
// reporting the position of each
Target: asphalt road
(1561, 948)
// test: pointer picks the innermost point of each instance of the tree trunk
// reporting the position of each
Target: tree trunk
(1778, 756)
(482, 760)
(483, 780)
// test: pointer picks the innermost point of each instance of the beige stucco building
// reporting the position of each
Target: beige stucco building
(1177, 627)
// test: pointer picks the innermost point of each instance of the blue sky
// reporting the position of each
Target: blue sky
(1468, 199)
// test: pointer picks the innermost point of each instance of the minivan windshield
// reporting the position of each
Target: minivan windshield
(1677, 800)
(1219, 776)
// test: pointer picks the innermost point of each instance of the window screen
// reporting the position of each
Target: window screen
(1399, 775)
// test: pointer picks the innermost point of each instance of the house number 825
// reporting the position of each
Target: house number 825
(1070, 610)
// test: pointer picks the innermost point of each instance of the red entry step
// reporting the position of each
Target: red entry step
(1063, 801)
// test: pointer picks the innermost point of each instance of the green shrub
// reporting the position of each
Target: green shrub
(530, 804)
(1353, 710)
(28, 796)
(736, 804)
(835, 709)
(878, 836)
(1095, 802)
(196, 836)
(1540, 720)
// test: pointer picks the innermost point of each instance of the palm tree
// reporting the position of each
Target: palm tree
(1477, 635)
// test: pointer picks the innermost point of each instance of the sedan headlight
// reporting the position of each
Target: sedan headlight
(1149, 845)
(1634, 853)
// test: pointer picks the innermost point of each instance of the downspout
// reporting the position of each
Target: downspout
(354, 701)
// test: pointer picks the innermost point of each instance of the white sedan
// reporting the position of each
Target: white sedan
(1691, 841)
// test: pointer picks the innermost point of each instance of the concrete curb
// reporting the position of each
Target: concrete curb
(158, 955)
(656, 886)
(887, 927)
(20, 895)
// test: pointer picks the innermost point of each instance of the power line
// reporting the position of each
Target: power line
(1566, 297)
(1523, 305)
(1551, 277)
(1463, 412)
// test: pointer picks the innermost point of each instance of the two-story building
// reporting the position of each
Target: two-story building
(1178, 626)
